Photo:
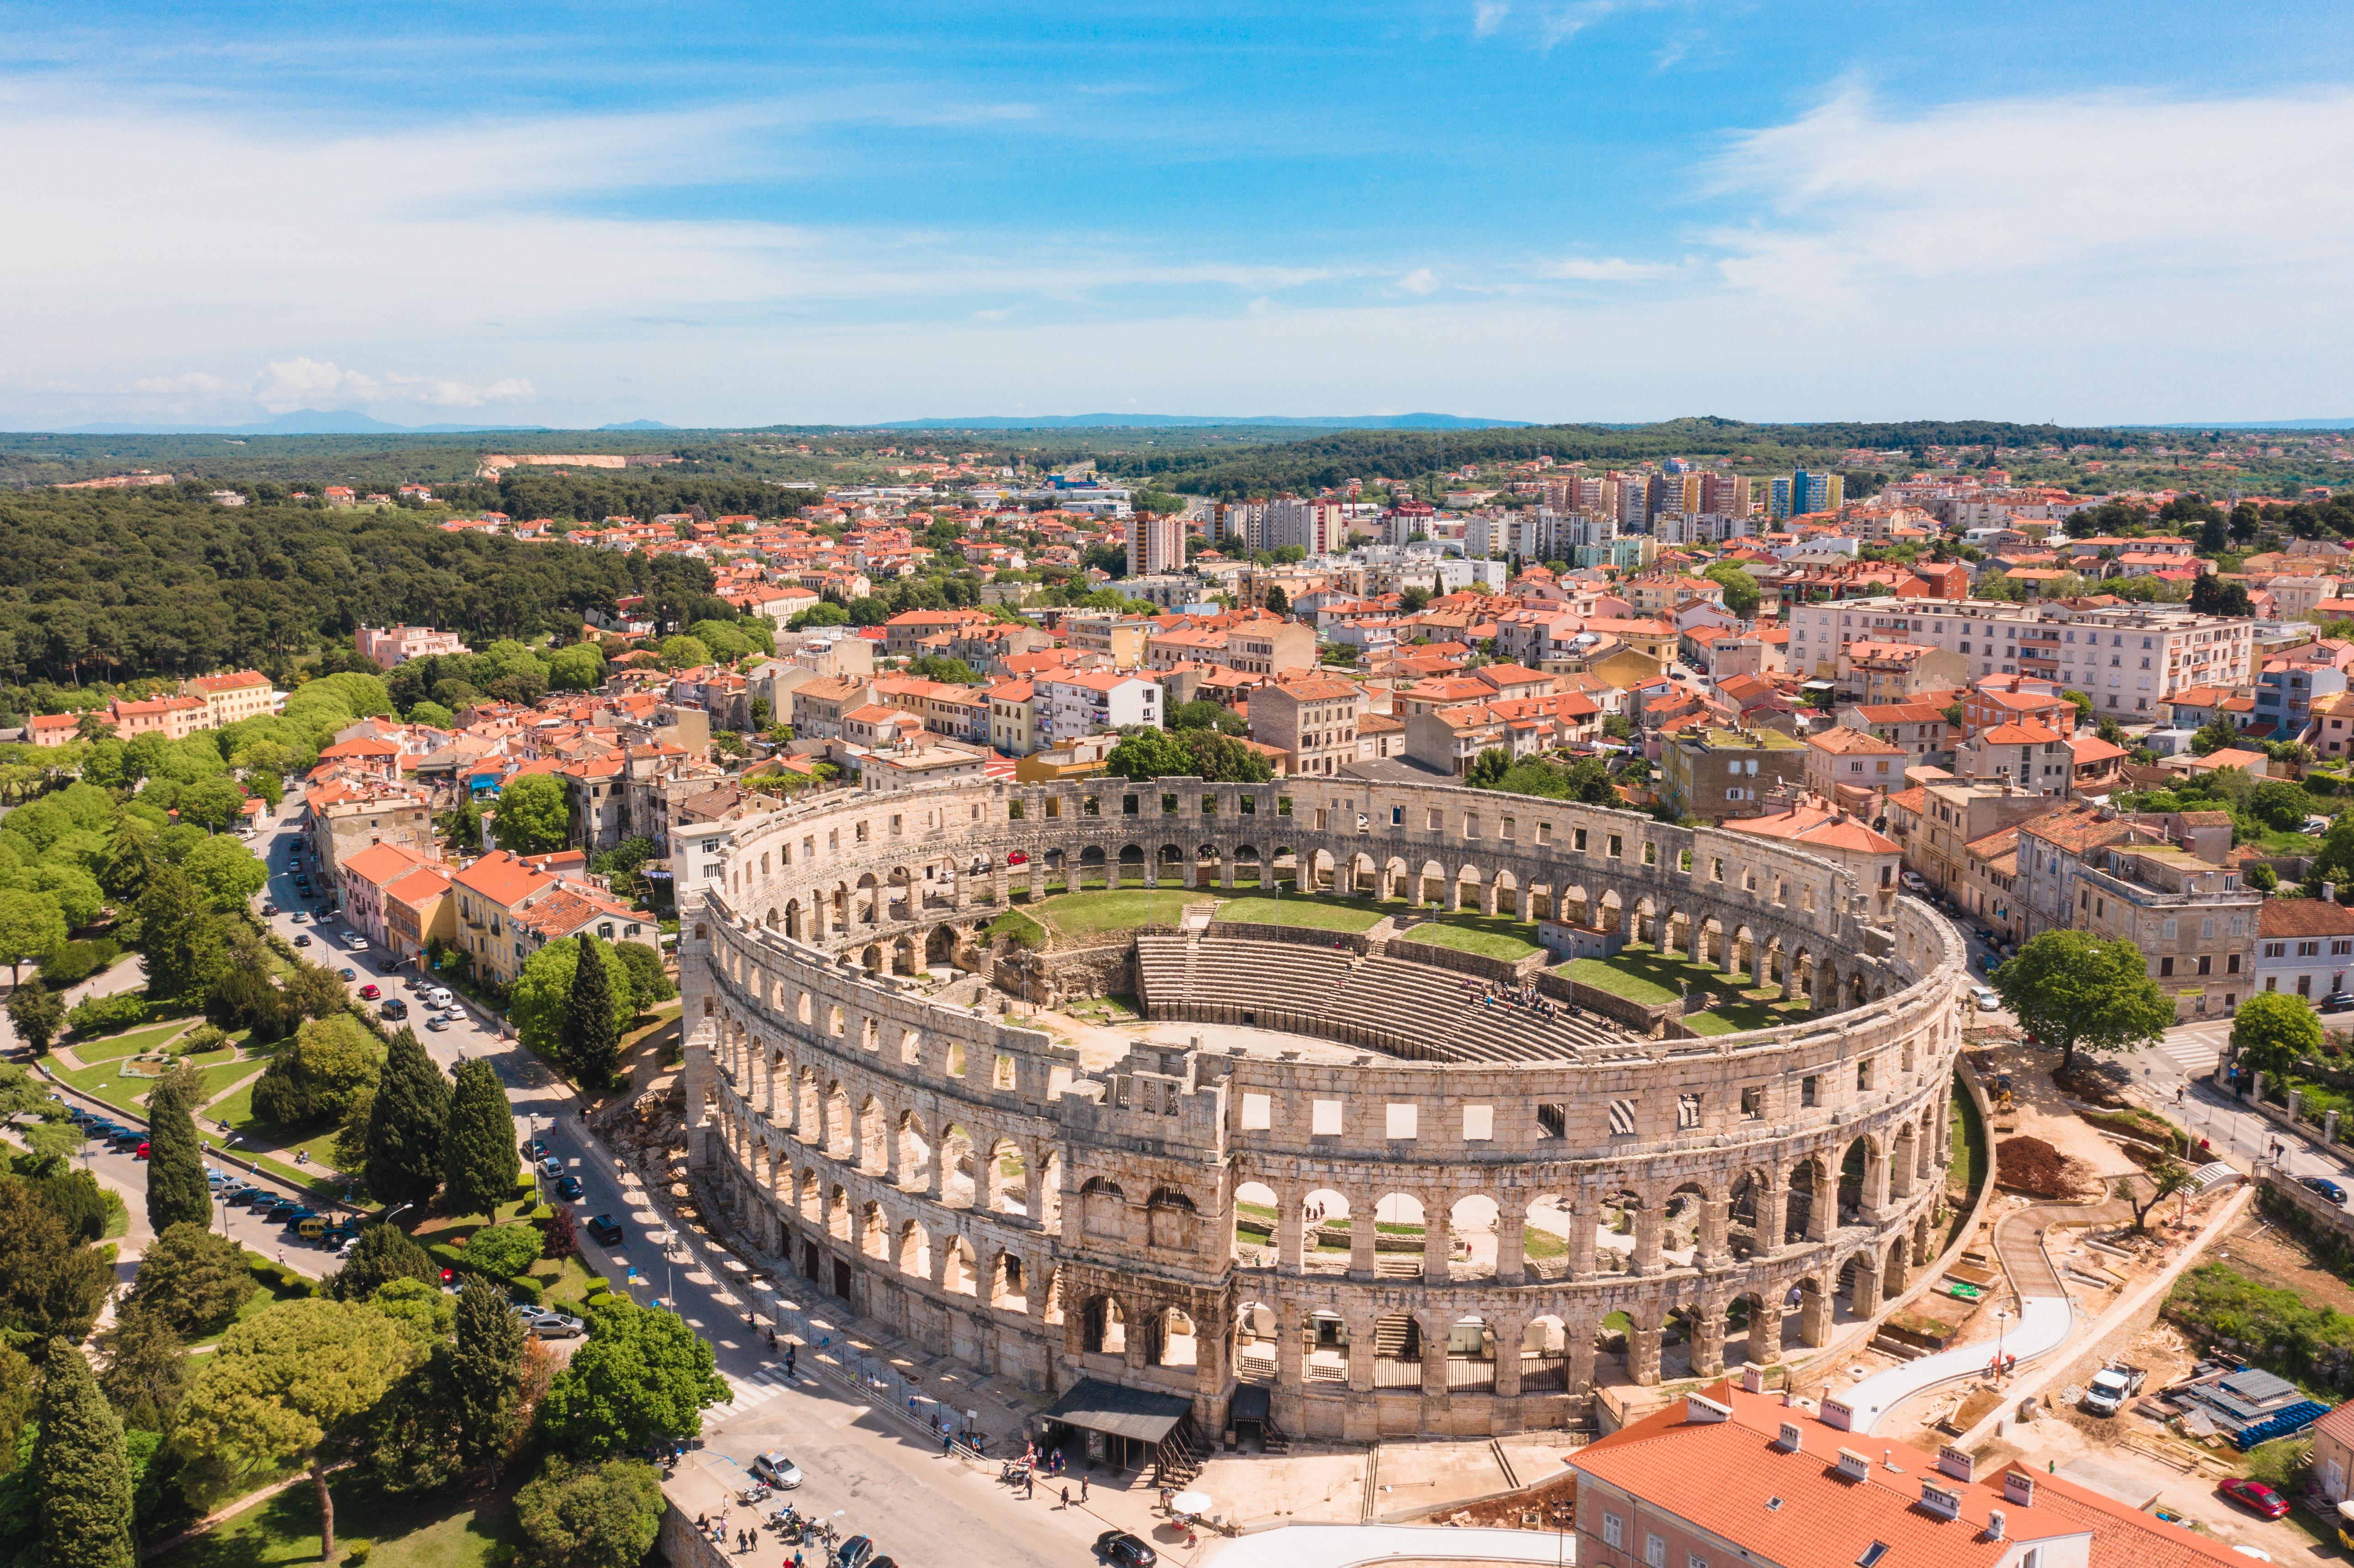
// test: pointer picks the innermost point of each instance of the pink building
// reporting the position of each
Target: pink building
(394, 645)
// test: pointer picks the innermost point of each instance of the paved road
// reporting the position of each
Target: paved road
(855, 1460)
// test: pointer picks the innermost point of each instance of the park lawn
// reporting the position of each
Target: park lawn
(1090, 914)
(114, 1047)
(441, 1529)
(1314, 912)
(1490, 936)
(100, 1083)
(1710, 1023)
(1730, 1015)
(1020, 926)
(1614, 976)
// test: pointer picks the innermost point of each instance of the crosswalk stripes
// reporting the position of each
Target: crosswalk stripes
(2193, 1056)
(759, 1389)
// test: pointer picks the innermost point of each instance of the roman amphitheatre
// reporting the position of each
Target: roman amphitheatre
(1341, 1108)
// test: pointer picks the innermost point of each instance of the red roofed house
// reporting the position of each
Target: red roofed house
(238, 694)
(363, 878)
(417, 909)
(1853, 760)
(2027, 756)
(52, 729)
(1870, 858)
(1784, 1489)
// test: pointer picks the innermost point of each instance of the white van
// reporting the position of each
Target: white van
(438, 997)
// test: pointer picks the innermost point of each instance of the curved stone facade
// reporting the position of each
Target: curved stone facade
(1390, 1243)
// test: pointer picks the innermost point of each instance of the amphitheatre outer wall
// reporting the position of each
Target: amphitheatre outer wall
(1386, 1245)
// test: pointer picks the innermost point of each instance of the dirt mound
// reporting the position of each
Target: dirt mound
(2031, 1165)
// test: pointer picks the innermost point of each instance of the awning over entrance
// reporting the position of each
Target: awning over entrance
(1136, 1414)
(1250, 1402)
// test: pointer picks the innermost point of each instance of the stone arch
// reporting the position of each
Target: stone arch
(811, 1196)
(915, 1258)
(1173, 1223)
(870, 1148)
(1008, 1282)
(837, 1214)
(959, 1270)
(873, 1232)
(903, 956)
(793, 920)
(1173, 1342)
(1102, 1326)
(837, 1120)
(1103, 1208)
(1131, 856)
(940, 946)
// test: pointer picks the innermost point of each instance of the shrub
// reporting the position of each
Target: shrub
(356, 1551)
(76, 961)
(597, 1299)
(106, 1014)
(204, 1037)
(528, 1290)
(504, 1250)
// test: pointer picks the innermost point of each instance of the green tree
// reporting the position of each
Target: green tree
(504, 1250)
(130, 859)
(578, 668)
(289, 1388)
(2163, 1180)
(2074, 992)
(384, 1252)
(648, 981)
(642, 1376)
(1223, 759)
(20, 1393)
(596, 1516)
(488, 1384)
(30, 928)
(181, 936)
(2261, 876)
(480, 1164)
(541, 1002)
(683, 652)
(228, 872)
(411, 1441)
(51, 1283)
(212, 804)
(589, 1042)
(534, 816)
(176, 1192)
(1487, 770)
(193, 1279)
(75, 1198)
(2272, 1031)
(144, 1366)
(1740, 587)
(2216, 734)
(406, 1121)
(2280, 805)
(1414, 600)
(1277, 602)
(1199, 715)
(1143, 753)
(331, 1061)
(313, 991)
(37, 1012)
(82, 1477)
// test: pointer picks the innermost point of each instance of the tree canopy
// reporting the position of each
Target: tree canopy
(533, 815)
(2074, 992)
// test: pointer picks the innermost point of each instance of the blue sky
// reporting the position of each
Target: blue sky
(1591, 209)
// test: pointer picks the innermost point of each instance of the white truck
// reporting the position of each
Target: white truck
(2112, 1386)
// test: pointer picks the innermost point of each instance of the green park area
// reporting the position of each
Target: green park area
(1646, 976)
(464, 1531)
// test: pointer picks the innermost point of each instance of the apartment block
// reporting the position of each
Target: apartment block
(1313, 722)
(2194, 923)
(1715, 773)
(2304, 947)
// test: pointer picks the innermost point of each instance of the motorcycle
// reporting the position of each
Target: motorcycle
(758, 1492)
(1014, 1472)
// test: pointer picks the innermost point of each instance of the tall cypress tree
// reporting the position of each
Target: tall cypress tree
(81, 1478)
(122, 873)
(177, 1193)
(590, 1042)
(405, 1124)
(478, 1164)
(489, 1373)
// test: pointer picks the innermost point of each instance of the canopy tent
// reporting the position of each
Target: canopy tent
(1136, 1414)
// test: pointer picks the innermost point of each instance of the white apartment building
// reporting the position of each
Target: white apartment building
(2127, 659)
(1155, 544)
(1319, 527)
(1069, 706)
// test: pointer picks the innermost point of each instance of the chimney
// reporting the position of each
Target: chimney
(1942, 1501)
(1704, 1411)
(2018, 1487)
(1994, 1524)
(1786, 1438)
(1853, 1466)
(1753, 1378)
(1957, 1463)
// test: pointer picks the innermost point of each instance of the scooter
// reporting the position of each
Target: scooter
(758, 1492)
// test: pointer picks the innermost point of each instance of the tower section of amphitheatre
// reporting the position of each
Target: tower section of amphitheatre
(1401, 1189)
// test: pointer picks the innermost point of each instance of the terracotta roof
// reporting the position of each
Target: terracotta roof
(500, 878)
(1844, 742)
(2304, 917)
(382, 863)
(420, 887)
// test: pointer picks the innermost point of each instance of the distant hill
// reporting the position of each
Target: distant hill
(1193, 421)
(304, 422)
(639, 425)
(2262, 425)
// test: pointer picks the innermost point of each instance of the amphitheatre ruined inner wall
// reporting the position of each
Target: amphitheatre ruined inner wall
(1422, 1214)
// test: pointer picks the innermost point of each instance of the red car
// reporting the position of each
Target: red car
(369, 993)
(1017, 858)
(2255, 1496)
(141, 1153)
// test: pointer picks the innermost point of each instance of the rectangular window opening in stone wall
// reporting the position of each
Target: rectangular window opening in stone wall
(1553, 1121)
(1258, 1112)
(1806, 1090)
(1687, 1112)
(1324, 1119)
(1402, 1115)
(1753, 1104)
(1622, 1119)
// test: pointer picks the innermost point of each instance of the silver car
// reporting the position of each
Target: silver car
(777, 1470)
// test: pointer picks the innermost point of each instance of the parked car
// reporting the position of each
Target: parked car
(554, 1325)
(368, 992)
(776, 1470)
(438, 997)
(140, 1152)
(2112, 1386)
(1987, 1000)
(454, 1014)
(269, 908)
(2337, 1001)
(1125, 1550)
(348, 973)
(855, 1553)
(2326, 1187)
(605, 1231)
(301, 939)
(551, 1166)
(571, 1190)
(357, 941)
(300, 917)
(123, 1142)
(1017, 858)
(393, 1008)
(2255, 1497)
(535, 1149)
(437, 1023)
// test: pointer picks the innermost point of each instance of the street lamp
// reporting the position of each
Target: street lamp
(2002, 1324)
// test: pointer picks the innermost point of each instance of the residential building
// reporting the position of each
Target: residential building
(2194, 923)
(390, 646)
(1265, 647)
(2291, 683)
(1155, 544)
(1872, 858)
(916, 765)
(1013, 718)
(173, 718)
(2303, 946)
(418, 912)
(1953, 815)
(1878, 672)
(490, 893)
(364, 877)
(819, 704)
(1072, 703)
(1728, 1476)
(1312, 720)
(1715, 773)
(1844, 765)
(1118, 640)
(2027, 756)
(237, 695)
(1919, 728)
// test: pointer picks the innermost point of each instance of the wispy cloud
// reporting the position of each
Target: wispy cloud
(1421, 281)
(1603, 269)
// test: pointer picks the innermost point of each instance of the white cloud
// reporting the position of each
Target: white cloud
(1603, 269)
(1421, 281)
(284, 386)
(1486, 15)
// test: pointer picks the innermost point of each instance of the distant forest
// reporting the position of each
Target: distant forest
(114, 584)
(1304, 466)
